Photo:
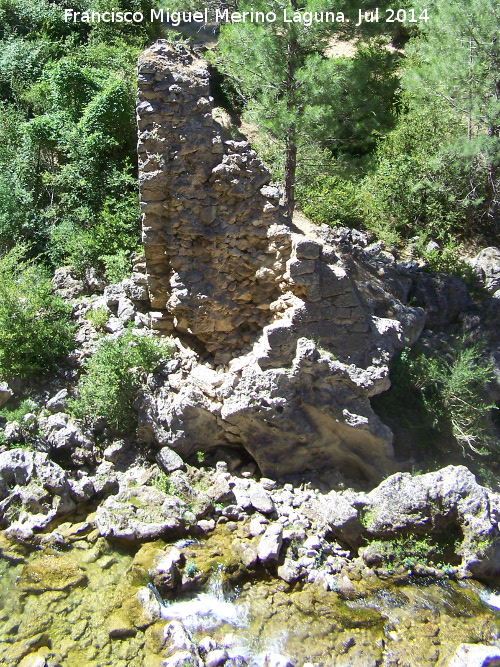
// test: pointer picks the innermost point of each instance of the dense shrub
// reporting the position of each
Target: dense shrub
(331, 200)
(67, 131)
(449, 386)
(112, 378)
(35, 328)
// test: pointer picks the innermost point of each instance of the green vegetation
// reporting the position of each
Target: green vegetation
(162, 482)
(413, 550)
(97, 317)
(67, 131)
(191, 569)
(402, 143)
(290, 90)
(35, 329)
(27, 406)
(113, 376)
(447, 388)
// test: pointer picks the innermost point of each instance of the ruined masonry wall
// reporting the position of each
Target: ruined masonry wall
(206, 210)
(221, 263)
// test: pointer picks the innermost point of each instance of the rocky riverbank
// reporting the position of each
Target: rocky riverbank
(79, 598)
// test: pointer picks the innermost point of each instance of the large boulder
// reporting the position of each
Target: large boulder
(443, 298)
(33, 491)
(447, 506)
(315, 413)
(486, 265)
(140, 513)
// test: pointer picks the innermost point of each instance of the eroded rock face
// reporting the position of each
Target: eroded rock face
(446, 505)
(300, 328)
(33, 491)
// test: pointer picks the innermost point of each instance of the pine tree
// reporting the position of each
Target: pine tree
(456, 62)
(270, 65)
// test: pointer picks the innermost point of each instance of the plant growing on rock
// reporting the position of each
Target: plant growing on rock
(449, 387)
(113, 375)
(191, 569)
(97, 317)
(162, 482)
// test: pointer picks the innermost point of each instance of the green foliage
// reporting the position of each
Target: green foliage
(449, 387)
(162, 482)
(439, 170)
(35, 328)
(292, 91)
(97, 317)
(113, 376)
(117, 267)
(412, 550)
(67, 131)
(191, 569)
(448, 260)
(26, 406)
(331, 200)
(417, 186)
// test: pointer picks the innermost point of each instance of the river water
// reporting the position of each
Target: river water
(78, 606)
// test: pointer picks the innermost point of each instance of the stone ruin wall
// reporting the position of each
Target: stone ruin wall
(222, 264)
(294, 331)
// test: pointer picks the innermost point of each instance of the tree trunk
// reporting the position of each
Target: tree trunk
(291, 134)
(290, 168)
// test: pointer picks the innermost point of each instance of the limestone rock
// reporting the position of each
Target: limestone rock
(140, 513)
(260, 499)
(476, 655)
(300, 328)
(165, 575)
(58, 403)
(216, 657)
(116, 450)
(443, 298)
(441, 504)
(63, 432)
(486, 265)
(5, 393)
(12, 432)
(270, 544)
(51, 573)
(66, 284)
(169, 461)
(35, 483)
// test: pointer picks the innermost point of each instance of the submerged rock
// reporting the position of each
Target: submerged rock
(51, 573)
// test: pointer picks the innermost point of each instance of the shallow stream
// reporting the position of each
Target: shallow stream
(78, 606)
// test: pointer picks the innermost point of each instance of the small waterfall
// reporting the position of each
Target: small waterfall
(208, 610)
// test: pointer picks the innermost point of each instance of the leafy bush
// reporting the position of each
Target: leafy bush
(35, 328)
(161, 481)
(112, 377)
(450, 388)
(97, 317)
(449, 260)
(331, 200)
